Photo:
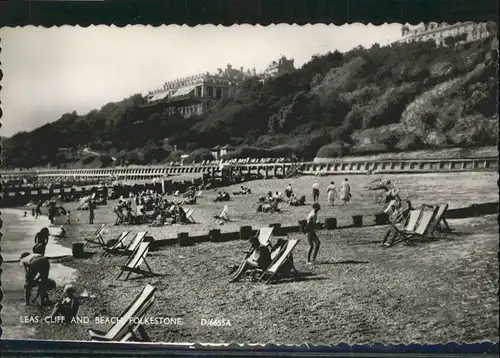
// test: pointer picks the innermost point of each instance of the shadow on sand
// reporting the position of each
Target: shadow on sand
(343, 262)
(300, 277)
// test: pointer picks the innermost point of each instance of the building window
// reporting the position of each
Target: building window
(210, 91)
(218, 92)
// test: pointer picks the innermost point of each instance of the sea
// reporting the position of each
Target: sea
(18, 236)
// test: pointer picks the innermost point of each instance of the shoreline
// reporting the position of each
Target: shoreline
(13, 275)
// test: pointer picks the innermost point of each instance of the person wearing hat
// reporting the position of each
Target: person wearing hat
(310, 231)
(68, 306)
(36, 269)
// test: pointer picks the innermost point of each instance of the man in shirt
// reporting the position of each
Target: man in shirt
(315, 192)
(36, 269)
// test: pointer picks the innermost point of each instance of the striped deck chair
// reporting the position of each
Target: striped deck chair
(135, 261)
(126, 328)
(439, 222)
(279, 260)
(96, 239)
(421, 228)
(118, 244)
(189, 216)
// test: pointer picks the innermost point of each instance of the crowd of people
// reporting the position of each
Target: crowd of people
(151, 208)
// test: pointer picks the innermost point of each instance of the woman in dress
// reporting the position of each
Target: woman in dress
(331, 192)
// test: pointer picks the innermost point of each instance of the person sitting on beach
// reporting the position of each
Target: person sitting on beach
(259, 257)
(181, 216)
(41, 241)
(297, 202)
(36, 269)
(68, 306)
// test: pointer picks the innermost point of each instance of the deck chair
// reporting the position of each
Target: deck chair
(125, 329)
(134, 243)
(223, 216)
(264, 235)
(199, 194)
(118, 244)
(135, 260)
(439, 222)
(96, 239)
(278, 261)
(189, 216)
(420, 229)
(120, 218)
(409, 225)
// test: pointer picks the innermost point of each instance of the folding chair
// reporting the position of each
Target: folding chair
(439, 222)
(223, 216)
(279, 260)
(189, 216)
(134, 243)
(421, 228)
(134, 262)
(264, 235)
(128, 326)
(96, 239)
(118, 244)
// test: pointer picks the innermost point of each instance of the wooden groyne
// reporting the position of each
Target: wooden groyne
(270, 170)
(380, 219)
(19, 195)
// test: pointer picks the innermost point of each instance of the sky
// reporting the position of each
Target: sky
(49, 72)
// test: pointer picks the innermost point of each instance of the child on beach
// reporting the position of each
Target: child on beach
(41, 241)
(68, 306)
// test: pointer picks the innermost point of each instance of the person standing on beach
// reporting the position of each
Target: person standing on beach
(345, 192)
(315, 192)
(332, 193)
(38, 210)
(41, 241)
(91, 212)
(310, 230)
(36, 270)
(289, 191)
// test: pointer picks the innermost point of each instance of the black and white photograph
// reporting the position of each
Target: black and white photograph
(284, 184)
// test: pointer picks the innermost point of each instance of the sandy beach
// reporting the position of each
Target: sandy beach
(359, 292)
